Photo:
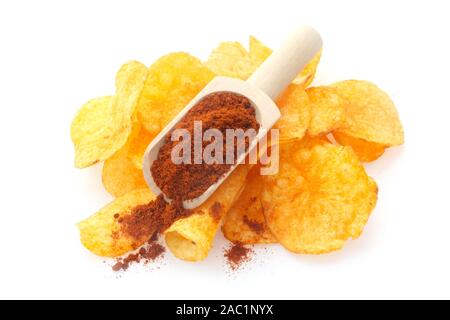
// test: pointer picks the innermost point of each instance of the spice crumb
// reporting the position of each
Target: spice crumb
(146, 254)
(152, 252)
(237, 254)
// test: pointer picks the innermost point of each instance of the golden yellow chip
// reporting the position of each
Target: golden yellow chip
(120, 174)
(365, 150)
(89, 122)
(306, 77)
(295, 113)
(327, 110)
(245, 222)
(101, 233)
(173, 81)
(321, 197)
(371, 115)
(230, 59)
(258, 52)
(103, 125)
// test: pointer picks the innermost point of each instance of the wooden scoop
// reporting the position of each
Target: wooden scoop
(262, 88)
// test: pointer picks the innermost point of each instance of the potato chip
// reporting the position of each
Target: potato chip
(191, 238)
(321, 197)
(245, 222)
(231, 59)
(306, 77)
(120, 174)
(258, 52)
(370, 115)
(90, 119)
(295, 113)
(327, 110)
(103, 125)
(365, 150)
(173, 81)
(90, 133)
(101, 233)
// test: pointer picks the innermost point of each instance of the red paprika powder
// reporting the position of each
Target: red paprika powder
(221, 111)
(237, 254)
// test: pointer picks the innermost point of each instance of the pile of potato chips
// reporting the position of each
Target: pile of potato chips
(321, 196)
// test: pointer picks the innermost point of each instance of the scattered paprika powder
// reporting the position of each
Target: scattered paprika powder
(237, 254)
(148, 253)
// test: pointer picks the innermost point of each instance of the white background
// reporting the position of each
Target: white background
(55, 55)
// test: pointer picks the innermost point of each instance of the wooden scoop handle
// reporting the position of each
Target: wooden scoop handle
(282, 66)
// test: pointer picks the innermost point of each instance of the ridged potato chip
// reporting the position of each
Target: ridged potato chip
(295, 113)
(173, 81)
(245, 222)
(103, 125)
(306, 77)
(90, 121)
(120, 174)
(320, 198)
(258, 52)
(365, 150)
(370, 115)
(191, 238)
(327, 110)
(101, 233)
(231, 59)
